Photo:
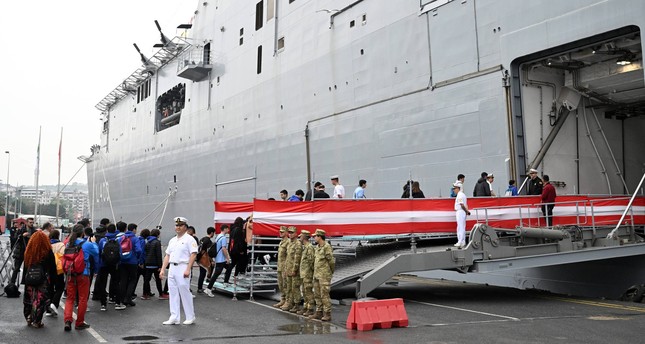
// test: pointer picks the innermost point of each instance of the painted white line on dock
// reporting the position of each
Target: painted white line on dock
(93, 332)
(465, 310)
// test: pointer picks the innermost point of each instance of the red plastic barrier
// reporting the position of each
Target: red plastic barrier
(366, 315)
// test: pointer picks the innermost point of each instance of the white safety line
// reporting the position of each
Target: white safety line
(263, 305)
(465, 310)
(93, 332)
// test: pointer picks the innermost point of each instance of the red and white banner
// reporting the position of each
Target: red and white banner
(404, 216)
(227, 212)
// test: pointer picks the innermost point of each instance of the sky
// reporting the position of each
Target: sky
(58, 60)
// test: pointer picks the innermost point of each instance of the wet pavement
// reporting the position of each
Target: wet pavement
(439, 312)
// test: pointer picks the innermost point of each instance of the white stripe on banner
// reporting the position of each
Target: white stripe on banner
(340, 218)
(230, 217)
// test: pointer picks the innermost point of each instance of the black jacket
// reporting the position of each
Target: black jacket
(49, 266)
(482, 188)
(535, 186)
(153, 253)
(21, 241)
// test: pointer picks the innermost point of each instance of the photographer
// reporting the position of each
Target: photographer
(22, 237)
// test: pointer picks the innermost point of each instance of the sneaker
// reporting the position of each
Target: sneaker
(209, 292)
(200, 291)
(53, 310)
(457, 245)
(171, 322)
(164, 296)
(119, 307)
(111, 301)
(68, 326)
(189, 322)
(193, 295)
(103, 308)
(130, 303)
(145, 297)
(48, 313)
(151, 294)
(82, 326)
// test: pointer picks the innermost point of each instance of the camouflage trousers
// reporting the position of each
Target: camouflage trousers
(308, 293)
(321, 294)
(286, 288)
(296, 282)
(283, 295)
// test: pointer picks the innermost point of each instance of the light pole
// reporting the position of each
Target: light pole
(6, 201)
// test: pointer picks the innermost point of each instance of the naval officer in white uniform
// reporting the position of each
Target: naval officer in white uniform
(180, 256)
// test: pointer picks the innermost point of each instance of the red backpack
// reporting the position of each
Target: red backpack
(73, 260)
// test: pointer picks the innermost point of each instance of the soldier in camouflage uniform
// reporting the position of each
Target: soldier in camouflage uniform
(282, 258)
(307, 273)
(294, 254)
(324, 265)
(286, 279)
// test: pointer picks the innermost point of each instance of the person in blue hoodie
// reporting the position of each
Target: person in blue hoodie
(141, 259)
(80, 283)
(130, 253)
(107, 268)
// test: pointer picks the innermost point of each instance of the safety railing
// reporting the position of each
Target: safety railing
(528, 215)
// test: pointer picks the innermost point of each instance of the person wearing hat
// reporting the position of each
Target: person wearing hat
(490, 179)
(180, 256)
(282, 258)
(292, 267)
(307, 273)
(324, 265)
(339, 190)
(535, 184)
(461, 209)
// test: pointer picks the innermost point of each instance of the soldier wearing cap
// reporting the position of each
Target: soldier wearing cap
(292, 267)
(535, 184)
(307, 273)
(324, 265)
(461, 211)
(282, 257)
(180, 256)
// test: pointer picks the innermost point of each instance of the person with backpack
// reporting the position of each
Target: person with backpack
(512, 189)
(58, 280)
(40, 268)
(205, 244)
(152, 264)
(109, 259)
(238, 248)
(76, 264)
(219, 251)
(141, 242)
(130, 252)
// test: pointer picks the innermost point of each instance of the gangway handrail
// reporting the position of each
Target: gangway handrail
(612, 234)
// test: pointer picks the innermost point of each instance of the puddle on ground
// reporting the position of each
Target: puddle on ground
(137, 338)
(311, 327)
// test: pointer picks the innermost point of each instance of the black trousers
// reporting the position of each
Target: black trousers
(101, 283)
(202, 276)
(547, 210)
(127, 281)
(59, 286)
(218, 270)
(147, 276)
(17, 262)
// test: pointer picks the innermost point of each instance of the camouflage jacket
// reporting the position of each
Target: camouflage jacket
(294, 254)
(282, 253)
(307, 261)
(324, 263)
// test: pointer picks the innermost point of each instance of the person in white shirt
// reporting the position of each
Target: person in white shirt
(339, 190)
(461, 209)
(180, 256)
(490, 179)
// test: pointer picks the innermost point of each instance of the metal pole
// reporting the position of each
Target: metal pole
(6, 201)
(613, 235)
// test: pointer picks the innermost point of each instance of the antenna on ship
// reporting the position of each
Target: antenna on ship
(165, 41)
(150, 67)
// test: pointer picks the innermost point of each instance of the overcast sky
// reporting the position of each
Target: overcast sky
(58, 60)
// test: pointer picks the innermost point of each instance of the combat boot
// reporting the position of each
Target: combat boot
(294, 309)
(301, 312)
(307, 312)
(286, 306)
(326, 317)
(316, 316)
(279, 304)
